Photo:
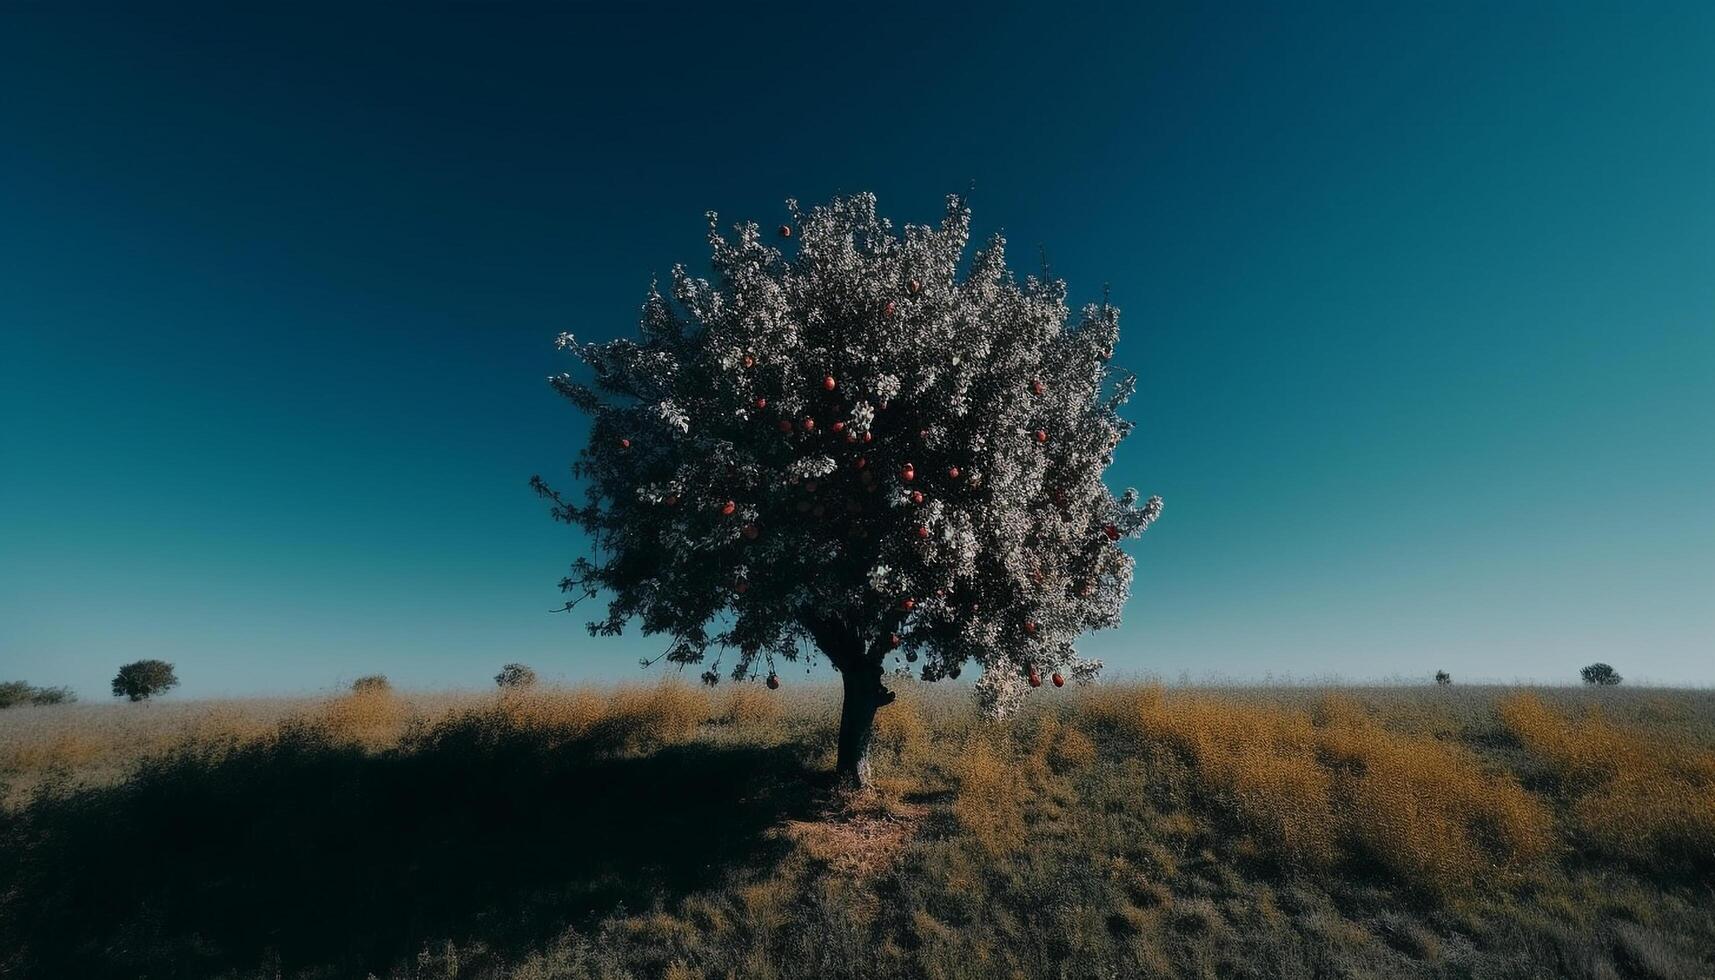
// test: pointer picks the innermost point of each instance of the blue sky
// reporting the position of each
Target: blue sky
(1422, 297)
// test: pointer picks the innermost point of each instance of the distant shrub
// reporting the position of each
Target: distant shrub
(515, 675)
(143, 679)
(1443, 678)
(1600, 674)
(13, 693)
(371, 684)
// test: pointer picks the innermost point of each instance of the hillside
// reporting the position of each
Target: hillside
(1115, 831)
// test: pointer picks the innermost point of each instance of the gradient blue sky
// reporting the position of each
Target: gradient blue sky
(1422, 297)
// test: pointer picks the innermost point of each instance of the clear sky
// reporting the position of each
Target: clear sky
(1422, 297)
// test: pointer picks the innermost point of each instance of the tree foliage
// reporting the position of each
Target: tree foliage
(855, 433)
(143, 679)
(1600, 674)
(515, 675)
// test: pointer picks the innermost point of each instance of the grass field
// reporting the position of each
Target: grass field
(665, 831)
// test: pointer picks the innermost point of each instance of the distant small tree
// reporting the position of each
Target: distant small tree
(1601, 675)
(371, 684)
(143, 679)
(13, 693)
(52, 695)
(1443, 678)
(515, 675)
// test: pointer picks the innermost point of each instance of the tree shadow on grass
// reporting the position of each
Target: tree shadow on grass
(306, 855)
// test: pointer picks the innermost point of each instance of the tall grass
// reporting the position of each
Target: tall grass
(668, 830)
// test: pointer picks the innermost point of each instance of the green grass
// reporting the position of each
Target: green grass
(1120, 831)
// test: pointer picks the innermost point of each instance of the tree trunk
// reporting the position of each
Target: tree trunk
(863, 695)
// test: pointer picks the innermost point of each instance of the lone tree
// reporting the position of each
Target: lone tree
(1600, 674)
(1443, 678)
(844, 444)
(515, 675)
(371, 684)
(144, 679)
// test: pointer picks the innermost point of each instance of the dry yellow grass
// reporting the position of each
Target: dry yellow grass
(1316, 787)
(1633, 795)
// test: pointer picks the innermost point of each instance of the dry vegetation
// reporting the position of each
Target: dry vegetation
(663, 830)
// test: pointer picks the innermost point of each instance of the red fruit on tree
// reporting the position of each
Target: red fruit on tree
(1041, 435)
(748, 361)
(1087, 589)
(916, 496)
(922, 531)
(809, 424)
(728, 508)
(751, 531)
(860, 462)
(851, 435)
(829, 384)
(671, 500)
(1035, 678)
(773, 682)
(839, 427)
(785, 231)
(1058, 679)
(624, 443)
(908, 603)
(761, 403)
(741, 586)
(893, 640)
(1037, 387)
(1030, 627)
(784, 425)
(908, 473)
(952, 472)
(888, 309)
(1112, 532)
(915, 287)
(868, 436)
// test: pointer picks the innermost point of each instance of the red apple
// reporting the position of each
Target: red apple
(785, 231)
(829, 384)
(671, 500)
(728, 508)
(908, 473)
(922, 531)
(1038, 388)
(1041, 435)
(1058, 679)
(773, 683)
(851, 435)
(1035, 678)
(868, 436)
(888, 309)
(915, 287)
(761, 403)
(751, 531)
(952, 472)
(809, 424)
(916, 496)
(1030, 627)
(748, 361)
(624, 443)
(860, 462)
(785, 425)
(1112, 532)
(908, 603)
(839, 427)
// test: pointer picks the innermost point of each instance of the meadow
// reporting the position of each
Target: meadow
(1120, 830)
